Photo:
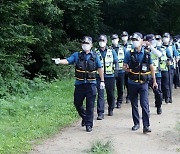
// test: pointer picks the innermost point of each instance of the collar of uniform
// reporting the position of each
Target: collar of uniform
(104, 50)
(91, 52)
(142, 50)
(125, 45)
(116, 47)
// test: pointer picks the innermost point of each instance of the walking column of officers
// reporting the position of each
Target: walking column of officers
(137, 63)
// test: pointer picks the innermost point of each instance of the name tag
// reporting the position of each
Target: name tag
(144, 68)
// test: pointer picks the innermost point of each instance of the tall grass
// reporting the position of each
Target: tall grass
(42, 112)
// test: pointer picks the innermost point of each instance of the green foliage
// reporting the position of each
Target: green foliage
(101, 148)
(41, 113)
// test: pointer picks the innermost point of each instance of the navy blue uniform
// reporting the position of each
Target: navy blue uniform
(85, 89)
(109, 86)
(136, 88)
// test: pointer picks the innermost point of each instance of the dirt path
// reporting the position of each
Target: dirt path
(164, 138)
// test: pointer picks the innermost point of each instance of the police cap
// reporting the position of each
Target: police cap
(114, 36)
(124, 33)
(149, 37)
(102, 37)
(158, 37)
(137, 36)
(87, 39)
(166, 35)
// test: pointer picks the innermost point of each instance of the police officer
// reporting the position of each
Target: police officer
(177, 74)
(86, 63)
(108, 59)
(127, 46)
(120, 76)
(172, 58)
(138, 63)
(151, 45)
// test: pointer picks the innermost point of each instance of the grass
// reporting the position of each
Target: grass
(101, 148)
(178, 129)
(25, 121)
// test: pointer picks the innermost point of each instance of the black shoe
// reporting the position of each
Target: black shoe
(159, 110)
(110, 113)
(88, 128)
(168, 100)
(83, 123)
(128, 101)
(135, 127)
(100, 117)
(118, 105)
(146, 129)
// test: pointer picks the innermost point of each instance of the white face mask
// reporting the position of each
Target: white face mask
(159, 43)
(124, 38)
(115, 42)
(102, 44)
(86, 47)
(154, 43)
(166, 39)
(136, 44)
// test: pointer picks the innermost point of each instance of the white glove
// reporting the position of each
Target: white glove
(56, 60)
(102, 85)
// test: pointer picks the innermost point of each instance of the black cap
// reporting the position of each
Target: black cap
(124, 33)
(137, 36)
(158, 37)
(149, 37)
(114, 36)
(166, 35)
(102, 37)
(87, 39)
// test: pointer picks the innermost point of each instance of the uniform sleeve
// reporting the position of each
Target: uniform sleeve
(98, 62)
(127, 58)
(73, 58)
(176, 54)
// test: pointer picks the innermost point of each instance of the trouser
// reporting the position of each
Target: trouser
(176, 77)
(126, 84)
(109, 86)
(142, 90)
(81, 92)
(158, 101)
(120, 87)
(166, 83)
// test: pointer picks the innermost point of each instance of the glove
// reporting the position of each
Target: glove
(102, 85)
(56, 60)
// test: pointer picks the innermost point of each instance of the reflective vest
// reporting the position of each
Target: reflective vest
(163, 59)
(140, 72)
(86, 69)
(107, 62)
(173, 63)
(120, 54)
(156, 64)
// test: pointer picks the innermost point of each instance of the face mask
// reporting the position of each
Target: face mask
(102, 44)
(159, 44)
(124, 38)
(86, 47)
(166, 40)
(115, 42)
(136, 44)
(154, 43)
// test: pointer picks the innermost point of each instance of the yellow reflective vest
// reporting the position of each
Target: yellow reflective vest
(163, 60)
(107, 62)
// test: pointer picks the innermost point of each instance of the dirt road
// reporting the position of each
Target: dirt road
(164, 138)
